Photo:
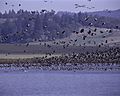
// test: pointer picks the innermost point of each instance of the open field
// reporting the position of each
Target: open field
(25, 56)
(41, 49)
(12, 51)
(99, 36)
(90, 44)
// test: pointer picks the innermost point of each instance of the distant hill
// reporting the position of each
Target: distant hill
(107, 13)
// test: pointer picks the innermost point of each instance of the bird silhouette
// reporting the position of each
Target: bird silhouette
(19, 4)
(82, 30)
(6, 3)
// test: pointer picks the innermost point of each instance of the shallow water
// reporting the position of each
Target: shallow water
(59, 84)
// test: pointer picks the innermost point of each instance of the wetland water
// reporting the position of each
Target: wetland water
(59, 84)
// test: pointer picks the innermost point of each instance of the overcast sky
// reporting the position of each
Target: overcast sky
(59, 5)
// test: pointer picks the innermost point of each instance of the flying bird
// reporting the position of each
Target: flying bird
(89, 32)
(43, 10)
(19, 4)
(106, 41)
(86, 19)
(95, 30)
(103, 23)
(117, 27)
(95, 19)
(63, 32)
(84, 37)
(77, 5)
(45, 1)
(82, 30)
(6, 3)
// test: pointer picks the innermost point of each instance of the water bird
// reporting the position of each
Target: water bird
(63, 32)
(84, 37)
(91, 24)
(89, 32)
(110, 31)
(103, 23)
(106, 41)
(101, 31)
(43, 10)
(95, 19)
(19, 4)
(117, 27)
(78, 6)
(86, 19)
(6, 3)
(82, 30)
(95, 29)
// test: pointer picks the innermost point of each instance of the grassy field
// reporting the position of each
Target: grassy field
(39, 49)
(99, 36)
(12, 51)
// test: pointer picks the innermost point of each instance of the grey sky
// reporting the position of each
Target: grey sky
(59, 5)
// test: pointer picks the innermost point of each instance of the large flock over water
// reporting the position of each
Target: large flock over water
(108, 60)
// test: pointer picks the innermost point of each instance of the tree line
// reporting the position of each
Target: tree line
(27, 26)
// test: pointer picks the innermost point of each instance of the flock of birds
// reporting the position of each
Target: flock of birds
(87, 36)
(97, 61)
(110, 56)
(83, 6)
(82, 31)
(6, 3)
(46, 1)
